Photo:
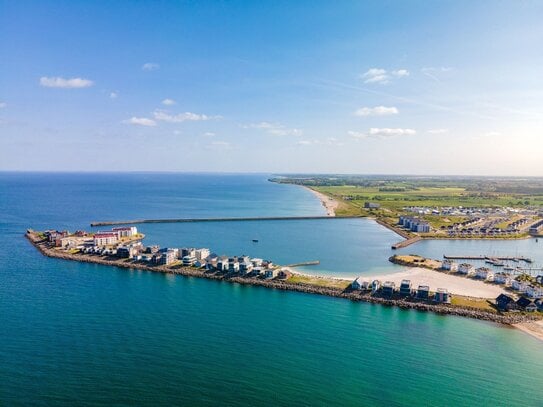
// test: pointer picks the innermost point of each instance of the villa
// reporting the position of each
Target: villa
(520, 286)
(423, 292)
(449, 265)
(388, 288)
(534, 292)
(466, 268)
(442, 296)
(405, 288)
(503, 278)
(505, 303)
(484, 273)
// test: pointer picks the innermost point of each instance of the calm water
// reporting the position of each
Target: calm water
(86, 334)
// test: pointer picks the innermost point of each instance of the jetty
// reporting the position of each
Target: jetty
(305, 263)
(490, 258)
(194, 220)
(406, 242)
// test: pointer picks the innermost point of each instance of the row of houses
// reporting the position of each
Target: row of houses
(388, 289)
(507, 303)
(486, 274)
(414, 224)
(536, 228)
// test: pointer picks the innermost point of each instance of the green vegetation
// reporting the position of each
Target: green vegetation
(469, 302)
(318, 281)
(393, 194)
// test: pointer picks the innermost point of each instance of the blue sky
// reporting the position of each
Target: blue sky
(409, 87)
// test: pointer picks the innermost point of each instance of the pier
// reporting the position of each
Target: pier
(305, 263)
(406, 242)
(194, 220)
(506, 258)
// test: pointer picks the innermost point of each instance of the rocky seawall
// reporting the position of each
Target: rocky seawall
(443, 309)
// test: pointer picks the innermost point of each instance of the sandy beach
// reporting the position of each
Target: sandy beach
(330, 204)
(534, 328)
(435, 279)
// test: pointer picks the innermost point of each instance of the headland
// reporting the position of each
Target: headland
(272, 276)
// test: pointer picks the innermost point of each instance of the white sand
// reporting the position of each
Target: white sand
(436, 279)
(532, 328)
(330, 204)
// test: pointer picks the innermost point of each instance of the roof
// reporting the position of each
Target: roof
(523, 302)
(105, 234)
(504, 298)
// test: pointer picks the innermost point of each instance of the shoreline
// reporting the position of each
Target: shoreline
(304, 287)
(330, 204)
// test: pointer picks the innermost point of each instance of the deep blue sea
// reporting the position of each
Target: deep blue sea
(84, 334)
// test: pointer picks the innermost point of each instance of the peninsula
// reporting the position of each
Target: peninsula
(122, 247)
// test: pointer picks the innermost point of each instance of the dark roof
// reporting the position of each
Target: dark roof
(523, 302)
(504, 298)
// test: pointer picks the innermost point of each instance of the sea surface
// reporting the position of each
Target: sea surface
(86, 334)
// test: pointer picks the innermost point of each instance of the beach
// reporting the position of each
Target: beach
(329, 203)
(435, 279)
(533, 328)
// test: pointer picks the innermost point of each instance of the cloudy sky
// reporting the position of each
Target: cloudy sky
(400, 87)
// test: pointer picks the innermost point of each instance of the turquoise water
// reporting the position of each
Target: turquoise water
(87, 334)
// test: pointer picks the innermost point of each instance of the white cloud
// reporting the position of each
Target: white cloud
(114, 95)
(274, 129)
(438, 131)
(58, 82)
(209, 134)
(376, 111)
(181, 117)
(140, 121)
(400, 73)
(382, 133)
(434, 72)
(150, 66)
(331, 141)
(3, 104)
(382, 76)
(168, 102)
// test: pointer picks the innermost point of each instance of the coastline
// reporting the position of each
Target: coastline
(330, 204)
(338, 291)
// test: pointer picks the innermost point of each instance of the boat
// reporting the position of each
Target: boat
(255, 240)
(508, 268)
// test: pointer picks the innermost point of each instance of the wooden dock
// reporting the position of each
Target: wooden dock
(506, 258)
(194, 220)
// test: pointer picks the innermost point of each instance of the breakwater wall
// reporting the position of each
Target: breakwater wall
(193, 220)
(443, 309)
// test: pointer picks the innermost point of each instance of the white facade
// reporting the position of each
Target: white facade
(484, 273)
(449, 265)
(502, 278)
(103, 239)
(201, 254)
(126, 231)
(466, 268)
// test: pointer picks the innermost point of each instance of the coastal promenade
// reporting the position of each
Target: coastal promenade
(194, 220)
(281, 284)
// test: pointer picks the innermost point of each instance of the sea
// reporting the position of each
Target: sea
(86, 334)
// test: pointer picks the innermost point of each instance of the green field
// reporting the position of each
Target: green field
(393, 194)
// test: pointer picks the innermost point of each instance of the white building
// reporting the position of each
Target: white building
(534, 292)
(105, 238)
(484, 273)
(466, 268)
(127, 231)
(201, 254)
(520, 286)
(449, 265)
(502, 278)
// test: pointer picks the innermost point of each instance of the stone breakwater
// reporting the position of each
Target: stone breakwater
(442, 309)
